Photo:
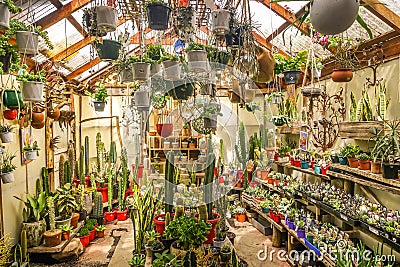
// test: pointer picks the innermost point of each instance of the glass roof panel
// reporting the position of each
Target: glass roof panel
(92, 70)
(80, 58)
(265, 20)
(394, 5)
(34, 10)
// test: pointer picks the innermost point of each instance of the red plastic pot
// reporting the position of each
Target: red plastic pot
(87, 181)
(160, 224)
(271, 214)
(76, 182)
(211, 235)
(109, 216)
(277, 218)
(122, 215)
(292, 161)
(139, 171)
(104, 192)
(297, 163)
(84, 240)
(10, 114)
(312, 163)
(324, 169)
(92, 235)
(276, 156)
(271, 181)
(164, 129)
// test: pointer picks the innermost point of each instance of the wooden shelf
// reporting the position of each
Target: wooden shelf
(308, 171)
(174, 149)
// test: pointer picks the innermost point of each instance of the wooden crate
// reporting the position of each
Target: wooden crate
(263, 226)
(360, 130)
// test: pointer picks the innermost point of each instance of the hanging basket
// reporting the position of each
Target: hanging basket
(333, 17)
(89, 16)
(99, 106)
(236, 38)
(316, 73)
(182, 91)
(309, 91)
(7, 177)
(210, 123)
(10, 114)
(197, 61)
(220, 21)
(108, 50)
(31, 155)
(158, 16)
(155, 69)
(291, 76)
(4, 17)
(32, 91)
(27, 42)
(164, 129)
(6, 60)
(106, 18)
(141, 71)
(126, 75)
(342, 75)
(172, 70)
(7, 137)
(142, 99)
(12, 99)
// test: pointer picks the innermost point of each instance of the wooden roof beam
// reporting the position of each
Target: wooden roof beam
(61, 13)
(384, 13)
(262, 41)
(83, 68)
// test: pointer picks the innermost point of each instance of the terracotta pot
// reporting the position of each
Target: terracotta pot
(38, 125)
(353, 162)
(342, 75)
(376, 167)
(241, 217)
(271, 180)
(264, 175)
(53, 113)
(277, 182)
(74, 220)
(100, 234)
(52, 238)
(192, 146)
(10, 114)
(364, 165)
(37, 117)
(66, 235)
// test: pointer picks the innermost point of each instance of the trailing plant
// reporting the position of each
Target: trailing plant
(16, 25)
(23, 75)
(141, 58)
(100, 95)
(11, 6)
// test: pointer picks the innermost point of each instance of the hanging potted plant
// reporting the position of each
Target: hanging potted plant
(10, 114)
(290, 67)
(7, 7)
(7, 168)
(197, 57)
(32, 83)
(12, 98)
(99, 98)
(218, 58)
(142, 98)
(182, 89)
(107, 49)
(141, 67)
(235, 37)
(275, 97)
(220, 21)
(106, 18)
(27, 37)
(155, 53)
(172, 67)
(125, 70)
(210, 115)
(6, 134)
(158, 15)
(31, 152)
(185, 22)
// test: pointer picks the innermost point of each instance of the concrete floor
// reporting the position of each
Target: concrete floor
(115, 250)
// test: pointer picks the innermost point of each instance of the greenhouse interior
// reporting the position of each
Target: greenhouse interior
(200, 133)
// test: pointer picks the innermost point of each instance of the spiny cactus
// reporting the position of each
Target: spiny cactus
(123, 180)
(179, 211)
(113, 152)
(100, 167)
(61, 170)
(52, 213)
(167, 219)
(86, 152)
(98, 205)
(240, 148)
(169, 180)
(110, 190)
(45, 181)
(39, 188)
(208, 183)
(80, 166)
(203, 212)
(24, 246)
(71, 158)
(67, 172)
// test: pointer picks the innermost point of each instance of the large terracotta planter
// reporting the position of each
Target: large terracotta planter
(342, 75)
(52, 238)
(34, 232)
(364, 165)
(333, 17)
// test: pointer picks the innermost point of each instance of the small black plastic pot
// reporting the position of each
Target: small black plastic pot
(390, 171)
(158, 16)
(291, 76)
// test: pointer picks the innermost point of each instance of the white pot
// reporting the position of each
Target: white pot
(32, 91)
(7, 137)
(333, 16)
(27, 42)
(4, 17)
(175, 144)
(220, 21)
(106, 18)
(31, 155)
(126, 75)
(7, 177)
(155, 69)
(141, 71)
(185, 144)
(197, 61)
(167, 144)
(283, 160)
(142, 99)
(316, 73)
(172, 70)
(177, 158)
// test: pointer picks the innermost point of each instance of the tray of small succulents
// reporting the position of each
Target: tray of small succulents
(325, 238)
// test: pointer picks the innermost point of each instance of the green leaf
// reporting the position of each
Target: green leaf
(364, 25)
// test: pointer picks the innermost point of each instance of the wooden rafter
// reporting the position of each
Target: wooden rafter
(262, 41)
(61, 13)
(384, 13)
(70, 18)
(83, 68)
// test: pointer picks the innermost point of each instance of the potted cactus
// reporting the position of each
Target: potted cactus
(52, 237)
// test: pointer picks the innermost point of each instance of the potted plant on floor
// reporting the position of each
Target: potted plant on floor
(197, 57)
(158, 13)
(226, 253)
(66, 231)
(52, 237)
(387, 149)
(100, 231)
(364, 161)
(83, 235)
(99, 98)
(290, 67)
(32, 83)
(171, 66)
(65, 205)
(31, 152)
(6, 134)
(165, 258)
(7, 167)
(7, 7)
(125, 69)
(141, 67)
(33, 218)
(91, 227)
(138, 260)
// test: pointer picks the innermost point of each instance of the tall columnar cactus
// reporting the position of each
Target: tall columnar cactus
(67, 172)
(123, 180)
(203, 215)
(52, 213)
(45, 181)
(100, 167)
(86, 152)
(240, 148)
(208, 183)
(39, 188)
(61, 170)
(113, 152)
(179, 211)
(110, 189)
(24, 246)
(81, 170)
(72, 159)
(169, 180)
(98, 205)
(167, 219)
